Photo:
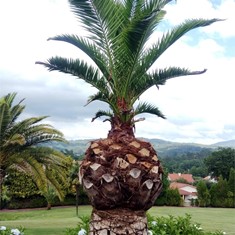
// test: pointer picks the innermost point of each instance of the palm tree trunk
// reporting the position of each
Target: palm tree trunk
(118, 222)
(48, 206)
(77, 195)
(1, 186)
(122, 177)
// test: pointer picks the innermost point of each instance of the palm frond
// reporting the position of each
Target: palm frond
(8, 114)
(88, 48)
(9, 98)
(20, 147)
(16, 139)
(159, 77)
(4, 119)
(79, 69)
(102, 113)
(101, 96)
(148, 108)
(168, 39)
(117, 37)
(135, 35)
(56, 181)
(101, 19)
(41, 134)
(31, 166)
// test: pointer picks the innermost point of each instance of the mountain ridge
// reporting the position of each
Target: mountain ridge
(163, 147)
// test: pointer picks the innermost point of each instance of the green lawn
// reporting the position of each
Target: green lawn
(211, 219)
(55, 221)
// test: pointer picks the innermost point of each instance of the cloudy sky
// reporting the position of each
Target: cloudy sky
(199, 109)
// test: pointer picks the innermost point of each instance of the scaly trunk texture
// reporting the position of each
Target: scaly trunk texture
(121, 174)
(122, 177)
(118, 222)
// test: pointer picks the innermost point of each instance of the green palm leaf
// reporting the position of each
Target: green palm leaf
(79, 69)
(21, 146)
(117, 36)
(88, 48)
(148, 108)
(157, 49)
(157, 78)
(102, 113)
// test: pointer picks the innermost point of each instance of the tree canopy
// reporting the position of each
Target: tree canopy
(21, 147)
(117, 42)
(220, 162)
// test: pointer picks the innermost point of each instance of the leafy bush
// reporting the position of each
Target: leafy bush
(82, 227)
(14, 231)
(176, 226)
(173, 197)
(29, 202)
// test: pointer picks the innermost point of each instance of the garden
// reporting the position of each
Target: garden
(121, 174)
(63, 220)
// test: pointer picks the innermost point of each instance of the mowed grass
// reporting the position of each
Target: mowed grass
(42, 221)
(55, 221)
(211, 219)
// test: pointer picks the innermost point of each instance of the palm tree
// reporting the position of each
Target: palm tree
(21, 148)
(74, 181)
(121, 174)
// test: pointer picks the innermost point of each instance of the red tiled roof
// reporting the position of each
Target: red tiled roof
(175, 177)
(183, 192)
(179, 186)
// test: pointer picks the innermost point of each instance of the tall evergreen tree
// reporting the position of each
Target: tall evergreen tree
(231, 187)
(203, 194)
(219, 193)
(231, 180)
(122, 174)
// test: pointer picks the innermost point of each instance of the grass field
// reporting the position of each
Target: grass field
(55, 221)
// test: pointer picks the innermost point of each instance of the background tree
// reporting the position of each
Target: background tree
(73, 175)
(231, 187)
(173, 197)
(72, 154)
(188, 162)
(219, 193)
(122, 172)
(203, 194)
(20, 185)
(21, 147)
(220, 162)
(161, 200)
(231, 181)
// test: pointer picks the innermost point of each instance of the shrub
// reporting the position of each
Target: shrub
(29, 202)
(173, 197)
(82, 227)
(176, 226)
(11, 231)
(156, 226)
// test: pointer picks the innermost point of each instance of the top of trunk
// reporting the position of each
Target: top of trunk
(120, 129)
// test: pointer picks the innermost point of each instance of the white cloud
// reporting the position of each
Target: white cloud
(78, 129)
(188, 9)
(198, 108)
(207, 9)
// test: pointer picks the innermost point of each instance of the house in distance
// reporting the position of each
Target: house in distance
(183, 182)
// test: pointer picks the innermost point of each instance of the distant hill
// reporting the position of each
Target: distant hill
(163, 148)
(77, 146)
(171, 149)
(229, 143)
